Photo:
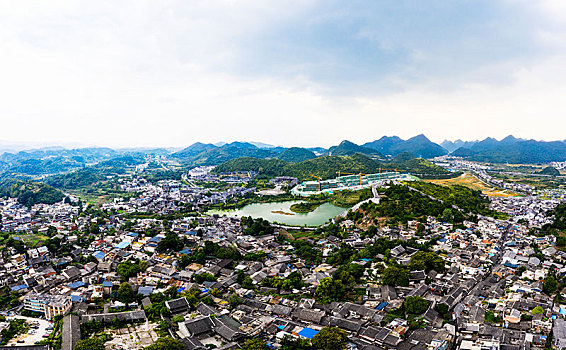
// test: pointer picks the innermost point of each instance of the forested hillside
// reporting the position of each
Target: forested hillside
(328, 166)
(30, 193)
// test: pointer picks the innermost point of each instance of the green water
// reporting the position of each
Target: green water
(266, 211)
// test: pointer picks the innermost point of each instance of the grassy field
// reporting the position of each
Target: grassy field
(473, 182)
(298, 234)
(31, 238)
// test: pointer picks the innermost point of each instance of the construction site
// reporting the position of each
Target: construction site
(346, 181)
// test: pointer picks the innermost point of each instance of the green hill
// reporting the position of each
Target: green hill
(194, 150)
(403, 157)
(515, 151)
(212, 155)
(419, 146)
(267, 167)
(549, 171)
(347, 148)
(325, 166)
(296, 155)
(328, 166)
(30, 193)
(424, 169)
(76, 179)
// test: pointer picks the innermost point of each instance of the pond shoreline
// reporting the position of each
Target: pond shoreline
(280, 213)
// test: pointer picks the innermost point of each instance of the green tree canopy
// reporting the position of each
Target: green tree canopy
(330, 338)
(126, 293)
(426, 261)
(395, 276)
(255, 344)
(290, 343)
(166, 344)
(550, 285)
(329, 290)
(127, 269)
(89, 344)
(415, 305)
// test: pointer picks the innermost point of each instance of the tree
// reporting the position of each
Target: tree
(538, 310)
(256, 227)
(395, 276)
(166, 344)
(426, 261)
(127, 269)
(290, 343)
(142, 265)
(447, 215)
(293, 281)
(89, 344)
(442, 309)
(329, 290)
(205, 276)
(255, 344)
(170, 242)
(330, 338)
(126, 293)
(234, 301)
(550, 285)
(178, 318)
(247, 283)
(184, 261)
(415, 305)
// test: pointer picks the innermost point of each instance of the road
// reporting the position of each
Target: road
(374, 199)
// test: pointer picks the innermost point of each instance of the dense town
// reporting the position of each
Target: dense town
(155, 268)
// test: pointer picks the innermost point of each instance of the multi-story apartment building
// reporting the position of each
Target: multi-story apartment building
(50, 305)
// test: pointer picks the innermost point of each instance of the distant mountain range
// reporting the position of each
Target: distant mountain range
(513, 150)
(451, 146)
(389, 149)
(347, 148)
(209, 154)
(419, 146)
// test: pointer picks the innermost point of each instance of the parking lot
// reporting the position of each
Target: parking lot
(36, 334)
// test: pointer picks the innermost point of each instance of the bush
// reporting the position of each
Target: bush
(415, 305)
(178, 318)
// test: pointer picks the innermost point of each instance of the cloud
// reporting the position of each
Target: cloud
(139, 73)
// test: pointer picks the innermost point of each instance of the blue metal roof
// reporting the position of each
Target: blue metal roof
(77, 284)
(122, 245)
(307, 333)
(381, 306)
(19, 287)
(107, 284)
(99, 254)
(186, 251)
(77, 298)
(155, 239)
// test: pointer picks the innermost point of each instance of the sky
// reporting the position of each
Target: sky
(292, 73)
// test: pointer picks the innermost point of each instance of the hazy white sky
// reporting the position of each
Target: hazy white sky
(293, 72)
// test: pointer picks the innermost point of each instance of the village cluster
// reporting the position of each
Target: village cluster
(492, 289)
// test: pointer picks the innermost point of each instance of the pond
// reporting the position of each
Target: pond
(280, 212)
